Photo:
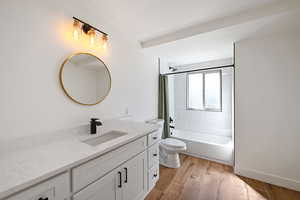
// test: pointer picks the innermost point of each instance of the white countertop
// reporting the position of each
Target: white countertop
(31, 160)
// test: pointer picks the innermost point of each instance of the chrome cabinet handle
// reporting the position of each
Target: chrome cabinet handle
(126, 175)
(120, 179)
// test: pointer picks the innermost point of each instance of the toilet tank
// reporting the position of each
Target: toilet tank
(159, 122)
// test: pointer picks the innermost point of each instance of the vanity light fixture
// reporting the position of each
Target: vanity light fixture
(80, 26)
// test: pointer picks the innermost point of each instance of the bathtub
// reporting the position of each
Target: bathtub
(208, 146)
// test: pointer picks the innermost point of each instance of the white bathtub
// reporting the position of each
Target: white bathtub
(208, 146)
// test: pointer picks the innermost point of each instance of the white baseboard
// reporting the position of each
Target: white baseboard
(268, 178)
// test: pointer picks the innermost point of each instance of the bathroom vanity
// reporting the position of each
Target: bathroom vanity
(75, 165)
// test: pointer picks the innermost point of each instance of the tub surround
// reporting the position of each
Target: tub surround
(208, 146)
(213, 123)
(36, 159)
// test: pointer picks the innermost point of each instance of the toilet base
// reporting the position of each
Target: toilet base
(169, 159)
(173, 161)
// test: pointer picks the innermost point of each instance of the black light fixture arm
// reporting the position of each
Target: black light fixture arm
(88, 26)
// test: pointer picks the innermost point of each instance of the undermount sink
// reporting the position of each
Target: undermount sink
(104, 138)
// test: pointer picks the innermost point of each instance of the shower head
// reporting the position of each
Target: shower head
(173, 69)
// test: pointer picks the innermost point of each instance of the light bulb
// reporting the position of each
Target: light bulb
(76, 30)
(104, 45)
(92, 34)
(104, 41)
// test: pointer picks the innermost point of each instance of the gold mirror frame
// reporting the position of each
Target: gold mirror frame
(62, 84)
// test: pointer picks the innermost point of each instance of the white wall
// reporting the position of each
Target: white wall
(267, 133)
(217, 123)
(35, 40)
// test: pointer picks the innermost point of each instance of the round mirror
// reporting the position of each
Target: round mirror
(85, 78)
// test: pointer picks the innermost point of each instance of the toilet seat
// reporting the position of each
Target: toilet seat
(171, 143)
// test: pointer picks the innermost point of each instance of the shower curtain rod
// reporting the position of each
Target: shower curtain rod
(195, 70)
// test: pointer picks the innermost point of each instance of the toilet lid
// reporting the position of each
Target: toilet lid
(170, 142)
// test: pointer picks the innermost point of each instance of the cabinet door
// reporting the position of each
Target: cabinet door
(106, 188)
(57, 188)
(135, 177)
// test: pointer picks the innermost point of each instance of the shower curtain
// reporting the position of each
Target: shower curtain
(163, 104)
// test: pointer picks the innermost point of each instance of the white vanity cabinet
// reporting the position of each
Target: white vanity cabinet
(153, 158)
(94, 169)
(56, 188)
(127, 182)
(127, 172)
(131, 180)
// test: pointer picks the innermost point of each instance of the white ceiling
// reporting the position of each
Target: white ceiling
(142, 20)
(219, 44)
(145, 19)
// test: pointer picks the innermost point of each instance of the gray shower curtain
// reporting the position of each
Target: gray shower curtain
(163, 104)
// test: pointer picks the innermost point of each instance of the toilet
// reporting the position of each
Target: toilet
(169, 148)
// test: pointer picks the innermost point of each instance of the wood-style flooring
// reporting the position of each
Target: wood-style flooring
(200, 179)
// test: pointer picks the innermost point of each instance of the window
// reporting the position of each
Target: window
(195, 91)
(204, 91)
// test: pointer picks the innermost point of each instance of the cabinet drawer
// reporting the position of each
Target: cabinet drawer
(104, 188)
(153, 155)
(57, 188)
(96, 168)
(153, 138)
(153, 176)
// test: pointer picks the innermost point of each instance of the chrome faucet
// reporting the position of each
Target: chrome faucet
(94, 123)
